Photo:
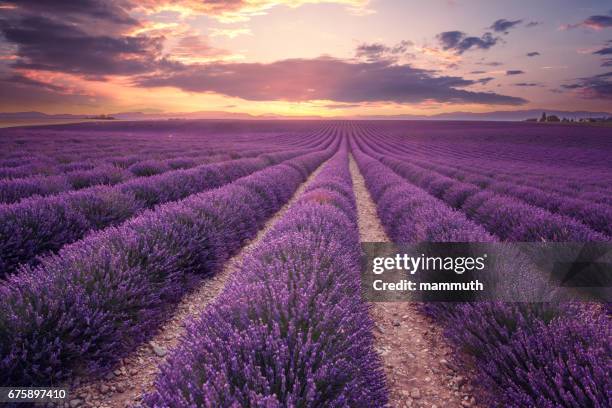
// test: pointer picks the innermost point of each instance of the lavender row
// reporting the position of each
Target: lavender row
(595, 215)
(592, 184)
(290, 328)
(458, 151)
(574, 146)
(36, 226)
(69, 150)
(446, 184)
(57, 145)
(83, 309)
(48, 165)
(577, 181)
(506, 217)
(139, 164)
(534, 355)
(526, 355)
(409, 214)
(542, 194)
(13, 190)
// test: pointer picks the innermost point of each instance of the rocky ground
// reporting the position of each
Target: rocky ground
(417, 360)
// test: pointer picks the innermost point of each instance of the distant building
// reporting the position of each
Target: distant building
(102, 117)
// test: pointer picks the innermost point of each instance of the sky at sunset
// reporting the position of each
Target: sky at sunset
(304, 57)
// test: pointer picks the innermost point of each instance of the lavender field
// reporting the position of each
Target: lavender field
(217, 264)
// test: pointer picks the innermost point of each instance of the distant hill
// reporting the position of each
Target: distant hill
(517, 115)
(39, 115)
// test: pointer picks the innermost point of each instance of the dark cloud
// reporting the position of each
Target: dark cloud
(21, 80)
(86, 37)
(514, 72)
(595, 87)
(597, 22)
(370, 51)
(484, 81)
(459, 42)
(478, 72)
(604, 51)
(377, 51)
(490, 64)
(502, 25)
(324, 79)
(17, 90)
(46, 45)
(606, 62)
(527, 84)
(533, 54)
(99, 16)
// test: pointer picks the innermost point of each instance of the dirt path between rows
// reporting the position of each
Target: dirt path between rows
(135, 374)
(417, 360)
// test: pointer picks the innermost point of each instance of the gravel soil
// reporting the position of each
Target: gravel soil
(134, 376)
(418, 363)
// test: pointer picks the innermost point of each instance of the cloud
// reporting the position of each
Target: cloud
(19, 90)
(45, 44)
(491, 64)
(459, 42)
(378, 51)
(100, 16)
(527, 84)
(231, 11)
(342, 105)
(370, 52)
(88, 37)
(324, 78)
(502, 25)
(26, 81)
(597, 22)
(606, 62)
(604, 51)
(229, 32)
(484, 81)
(514, 72)
(194, 48)
(478, 72)
(533, 54)
(594, 87)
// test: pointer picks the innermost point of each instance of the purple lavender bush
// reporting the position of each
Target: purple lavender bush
(566, 362)
(86, 307)
(290, 329)
(13, 190)
(148, 168)
(409, 214)
(35, 225)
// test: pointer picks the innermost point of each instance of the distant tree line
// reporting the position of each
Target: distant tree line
(555, 118)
